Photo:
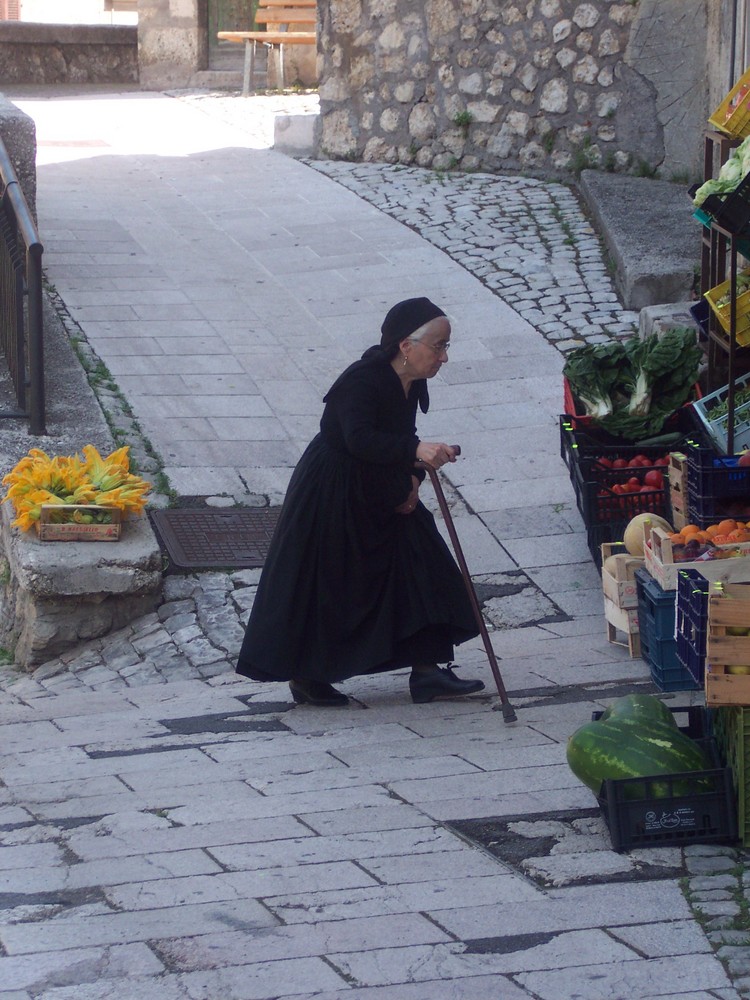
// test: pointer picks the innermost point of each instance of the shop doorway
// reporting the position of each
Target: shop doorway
(228, 15)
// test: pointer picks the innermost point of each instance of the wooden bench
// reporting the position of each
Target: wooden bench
(284, 16)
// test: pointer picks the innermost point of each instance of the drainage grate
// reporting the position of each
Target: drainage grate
(230, 539)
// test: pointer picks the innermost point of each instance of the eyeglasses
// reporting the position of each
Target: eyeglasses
(441, 347)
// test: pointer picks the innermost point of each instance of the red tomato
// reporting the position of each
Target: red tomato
(605, 462)
(654, 479)
(634, 481)
(662, 461)
(638, 462)
(620, 463)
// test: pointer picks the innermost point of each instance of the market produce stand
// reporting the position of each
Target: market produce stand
(663, 487)
(722, 206)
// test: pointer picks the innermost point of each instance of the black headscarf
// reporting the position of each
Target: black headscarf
(400, 322)
(403, 319)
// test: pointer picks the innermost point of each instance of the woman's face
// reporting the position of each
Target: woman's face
(427, 348)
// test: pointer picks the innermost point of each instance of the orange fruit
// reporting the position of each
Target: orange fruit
(721, 539)
(689, 529)
(676, 538)
(701, 536)
(727, 525)
(712, 529)
(739, 535)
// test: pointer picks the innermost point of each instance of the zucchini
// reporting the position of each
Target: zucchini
(673, 437)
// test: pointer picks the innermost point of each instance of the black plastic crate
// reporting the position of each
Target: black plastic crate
(599, 500)
(716, 483)
(672, 810)
(710, 474)
(731, 211)
(731, 724)
(597, 534)
(700, 313)
(581, 443)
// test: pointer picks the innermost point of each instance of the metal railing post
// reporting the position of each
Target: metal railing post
(26, 361)
(37, 398)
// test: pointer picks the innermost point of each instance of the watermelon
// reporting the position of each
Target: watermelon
(639, 706)
(631, 748)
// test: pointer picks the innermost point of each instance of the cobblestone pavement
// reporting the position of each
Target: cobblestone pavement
(173, 831)
(527, 240)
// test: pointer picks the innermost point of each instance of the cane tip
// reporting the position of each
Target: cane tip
(509, 714)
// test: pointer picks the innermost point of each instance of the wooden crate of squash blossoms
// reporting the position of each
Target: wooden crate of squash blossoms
(79, 523)
(75, 497)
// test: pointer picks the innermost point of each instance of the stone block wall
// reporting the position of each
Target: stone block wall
(172, 41)
(55, 595)
(539, 85)
(65, 53)
(18, 134)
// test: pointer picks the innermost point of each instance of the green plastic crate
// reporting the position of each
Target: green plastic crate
(731, 728)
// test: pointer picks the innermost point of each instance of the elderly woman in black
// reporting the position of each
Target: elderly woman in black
(358, 579)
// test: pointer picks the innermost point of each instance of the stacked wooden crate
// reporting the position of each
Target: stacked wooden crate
(620, 596)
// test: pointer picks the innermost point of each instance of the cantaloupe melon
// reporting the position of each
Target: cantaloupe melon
(633, 536)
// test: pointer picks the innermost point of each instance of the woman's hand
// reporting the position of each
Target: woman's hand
(412, 500)
(435, 455)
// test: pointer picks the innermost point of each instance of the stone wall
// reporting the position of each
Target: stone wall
(544, 86)
(64, 53)
(172, 41)
(55, 595)
(18, 134)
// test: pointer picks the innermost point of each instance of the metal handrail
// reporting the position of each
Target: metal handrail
(20, 226)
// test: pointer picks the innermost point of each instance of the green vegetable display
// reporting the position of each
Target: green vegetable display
(631, 387)
(721, 407)
(730, 175)
(743, 284)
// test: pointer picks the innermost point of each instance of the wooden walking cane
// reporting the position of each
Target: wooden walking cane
(509, 714)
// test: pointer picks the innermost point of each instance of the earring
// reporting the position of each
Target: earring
(404, 364)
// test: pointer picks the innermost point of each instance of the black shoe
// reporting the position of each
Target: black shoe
(316, 693)
(441, 682)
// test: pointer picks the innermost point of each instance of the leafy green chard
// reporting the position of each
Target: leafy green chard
(645, 381)
(594, 373)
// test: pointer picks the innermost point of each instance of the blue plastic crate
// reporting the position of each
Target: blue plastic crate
(657, 606)
(692, 614)
(670, 674)
(691, 660)
(714, 482)
(656, 622)
(692, 598)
